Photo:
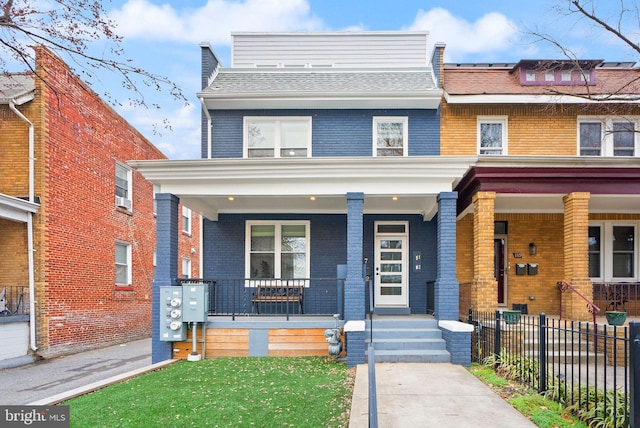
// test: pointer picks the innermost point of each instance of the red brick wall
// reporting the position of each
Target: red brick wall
(79, 140)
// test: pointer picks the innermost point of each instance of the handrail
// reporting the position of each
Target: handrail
(564, 286)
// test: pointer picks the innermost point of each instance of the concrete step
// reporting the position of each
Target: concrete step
(406, 333)
(411, 356)
(396, 322)
(404, 339)
(405, 344)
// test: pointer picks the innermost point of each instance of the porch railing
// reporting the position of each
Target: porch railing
(591, 307)
(240, 296)
(618, 296)
(14, 300)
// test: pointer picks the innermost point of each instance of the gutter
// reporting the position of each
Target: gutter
(30, 249)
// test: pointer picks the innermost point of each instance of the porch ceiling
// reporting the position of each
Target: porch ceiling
(288, 185)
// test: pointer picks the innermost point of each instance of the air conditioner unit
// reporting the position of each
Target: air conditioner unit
(123, 202)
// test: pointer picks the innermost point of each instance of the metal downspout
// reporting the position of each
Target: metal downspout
(32, 303)
(206, 112)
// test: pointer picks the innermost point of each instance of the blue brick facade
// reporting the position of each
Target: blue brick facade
(458, 344)
(354, 285)
(166, 268)
(333, 133)
(446, 286)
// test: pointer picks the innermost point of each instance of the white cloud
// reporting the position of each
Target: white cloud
(213, 22)
(492, 32)
(181, 141)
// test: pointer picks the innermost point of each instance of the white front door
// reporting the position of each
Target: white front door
(391, 276)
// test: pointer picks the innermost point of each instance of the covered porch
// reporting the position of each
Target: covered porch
(530, 223)
(337, 222)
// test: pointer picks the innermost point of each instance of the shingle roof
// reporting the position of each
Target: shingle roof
(313, 82)
(485, 80)
(15, 85)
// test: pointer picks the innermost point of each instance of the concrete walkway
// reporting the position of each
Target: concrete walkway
(430, 395)
(48, 381)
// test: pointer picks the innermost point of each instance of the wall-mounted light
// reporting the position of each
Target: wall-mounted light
(532, 249)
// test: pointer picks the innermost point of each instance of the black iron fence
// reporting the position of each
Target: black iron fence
(584, 366)
(14, 300)
(273, 297)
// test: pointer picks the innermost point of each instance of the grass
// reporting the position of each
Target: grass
(225, 392)
(543, 412)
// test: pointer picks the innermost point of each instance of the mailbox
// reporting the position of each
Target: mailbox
(521, 269)
(532, 268)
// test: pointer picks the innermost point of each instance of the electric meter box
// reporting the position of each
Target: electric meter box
(172, 326)
(196, 299)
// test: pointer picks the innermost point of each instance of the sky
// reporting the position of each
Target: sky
(163, 37)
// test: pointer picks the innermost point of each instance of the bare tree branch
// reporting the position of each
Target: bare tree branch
(70, 28)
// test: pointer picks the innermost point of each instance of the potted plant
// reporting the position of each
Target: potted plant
(511, 317)
(615, 317)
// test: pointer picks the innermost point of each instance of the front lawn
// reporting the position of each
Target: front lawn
(254, 391)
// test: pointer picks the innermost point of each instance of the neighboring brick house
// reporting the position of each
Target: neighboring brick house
(554, 195)
(92, 217)
(320, 154)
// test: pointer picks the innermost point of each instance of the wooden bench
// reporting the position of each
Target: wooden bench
(278, 293)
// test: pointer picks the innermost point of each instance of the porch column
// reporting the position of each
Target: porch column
(166, 268)
(484, 289)
(446, 293)
(354, 287)
(576, 256)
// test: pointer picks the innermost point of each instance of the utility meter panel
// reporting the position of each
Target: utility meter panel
(196, 302)
(172, 327)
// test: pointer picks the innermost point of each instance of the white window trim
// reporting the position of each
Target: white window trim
(129, 264)
(128, 201)
(277, 120)
(405, 132)
(186, 212)
(607, 149)
(606, 250)
(504, 120)
(186, 267)
(278, 250)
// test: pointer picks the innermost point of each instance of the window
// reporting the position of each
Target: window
(530, 76)
(565, 75)
(492, 135)
(186, 220)
(607, 136)
(549, 76)
(277, 250)
(595, 251)
(186, 267)
(612, 251)
(279, 137)
(123, 186)
(390, 136)
(123, 264)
